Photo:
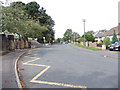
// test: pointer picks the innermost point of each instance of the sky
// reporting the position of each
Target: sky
(68, 14)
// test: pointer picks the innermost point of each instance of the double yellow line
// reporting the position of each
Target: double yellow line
(34, 80)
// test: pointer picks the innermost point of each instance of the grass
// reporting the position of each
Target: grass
(91, 48)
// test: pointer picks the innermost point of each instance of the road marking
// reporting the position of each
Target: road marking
(31, 61)
(36, 65)
(58, 84)
(38, 75)
(26, 56)
(34, 80)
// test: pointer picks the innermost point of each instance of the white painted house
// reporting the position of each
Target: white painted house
(101, 35)
(98, 36)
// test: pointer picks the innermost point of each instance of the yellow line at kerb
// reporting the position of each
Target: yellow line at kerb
(34, 80)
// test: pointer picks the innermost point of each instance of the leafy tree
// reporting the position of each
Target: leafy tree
(90, 32)
(89, 37)
(32, 9)
(24, 19)
(59, 40)
(106, 41)
(40, 15)
(67, 35)
(18, 4)
(114, 38)
(75, 36)
(82, 39)
(13, 19)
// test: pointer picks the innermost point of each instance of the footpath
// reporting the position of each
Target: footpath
(9, 79)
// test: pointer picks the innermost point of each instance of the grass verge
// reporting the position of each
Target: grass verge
(91, 48)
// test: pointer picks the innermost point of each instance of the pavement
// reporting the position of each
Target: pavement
(68, 66)
(8, 69)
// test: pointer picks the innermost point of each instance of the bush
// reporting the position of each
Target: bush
(106, 41)
(82, 39)
(114, 39)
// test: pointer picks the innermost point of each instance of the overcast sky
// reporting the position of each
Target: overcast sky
(68, 14)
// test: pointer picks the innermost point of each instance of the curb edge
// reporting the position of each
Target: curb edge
(16, 73)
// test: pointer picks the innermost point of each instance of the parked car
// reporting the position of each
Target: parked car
(115, 46)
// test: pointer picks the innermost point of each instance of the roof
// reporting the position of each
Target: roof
(111, 31)
(98, 34)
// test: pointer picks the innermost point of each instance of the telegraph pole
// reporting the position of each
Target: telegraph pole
(84, 30)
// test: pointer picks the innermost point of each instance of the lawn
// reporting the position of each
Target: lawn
(91, 48)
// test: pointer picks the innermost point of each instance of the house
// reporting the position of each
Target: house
(111, 31)
(100, 36)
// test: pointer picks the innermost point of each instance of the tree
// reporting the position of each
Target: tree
(114, 38)
(106, 41)
(67, 35)
(13, 19)
(59, 40)
(89, 37)
(32, 9)
(24, 19)
(75, 36)
(82, 39)
(18, 4)
(90, 32)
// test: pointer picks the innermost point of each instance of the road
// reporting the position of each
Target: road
(67, 66)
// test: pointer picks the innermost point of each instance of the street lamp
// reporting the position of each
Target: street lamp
(84, 29)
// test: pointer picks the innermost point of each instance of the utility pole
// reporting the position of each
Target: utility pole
(74, 38)
(84, 30)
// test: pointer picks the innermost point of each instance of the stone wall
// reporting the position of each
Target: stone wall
(91, 44)
(10, 44)
(3, 43)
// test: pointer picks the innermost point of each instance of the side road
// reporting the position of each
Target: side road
(9, 79)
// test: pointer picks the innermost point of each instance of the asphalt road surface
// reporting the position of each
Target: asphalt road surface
(67, 66)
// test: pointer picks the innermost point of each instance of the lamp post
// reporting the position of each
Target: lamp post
(84, 30)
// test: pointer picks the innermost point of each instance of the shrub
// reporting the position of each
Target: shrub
(106, 41)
